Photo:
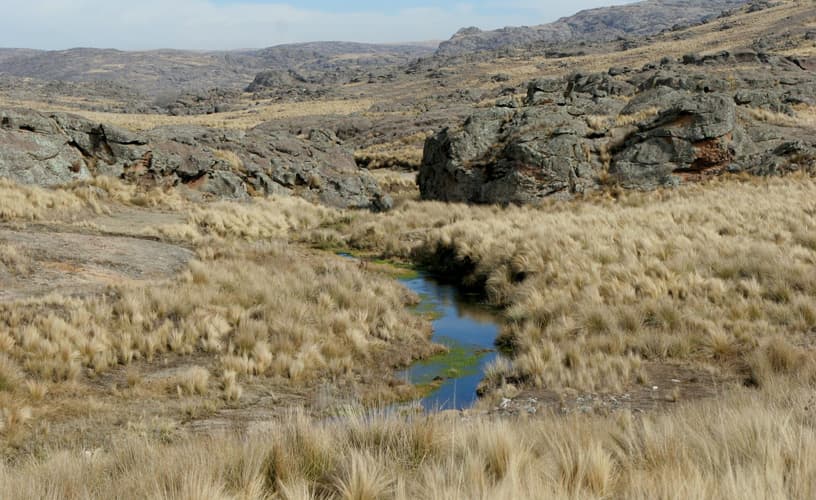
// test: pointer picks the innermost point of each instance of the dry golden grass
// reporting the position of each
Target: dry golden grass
(266, 310)
(748, 446)
(274, 217)
(254, 315)
(77, 200)
(400, 184)
(804, 117)
(403, 153)
(13, 260)
(252, 307)
(231, 158)
(719, 275)
(32, 203)
(602, 122)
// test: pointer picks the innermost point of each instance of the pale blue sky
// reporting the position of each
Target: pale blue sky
(230, 24)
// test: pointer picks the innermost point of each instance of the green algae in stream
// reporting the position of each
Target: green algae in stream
(427, 308)
(396, 269)
(399, 270)
(458, 361)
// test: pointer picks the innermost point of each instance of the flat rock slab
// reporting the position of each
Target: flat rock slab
(130, 222)
(81, 264)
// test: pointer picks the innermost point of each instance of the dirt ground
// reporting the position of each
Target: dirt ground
(665, 386)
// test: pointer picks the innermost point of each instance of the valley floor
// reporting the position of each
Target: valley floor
(660, 346)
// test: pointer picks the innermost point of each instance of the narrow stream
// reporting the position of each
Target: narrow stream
(468, 328)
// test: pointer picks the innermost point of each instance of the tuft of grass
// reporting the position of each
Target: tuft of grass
(193, 380)
(14, 260)
(804, 116)
(10, 374)
(36, 390)
(72, 201)
(231, 158)
(232, 391)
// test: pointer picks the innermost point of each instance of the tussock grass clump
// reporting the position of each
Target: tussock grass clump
(194, 380)
(602, 122)
(107, 189)
(404, 153)
(232, 390)
(748, 445)
(13, 260)
(803, 116)
(10, 374)
(274, 217)
(33, 203)
(231, 158)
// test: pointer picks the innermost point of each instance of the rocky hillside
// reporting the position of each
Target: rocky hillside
(54, 148)
(677, 121)
(164, 71)
(603, 24)
(732, 95)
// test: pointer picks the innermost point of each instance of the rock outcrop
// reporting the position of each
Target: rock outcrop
(694, 137)
(602, 24)
(504, 157)
(273, 79)
(659, 126)
(56, 149)
(53, 148)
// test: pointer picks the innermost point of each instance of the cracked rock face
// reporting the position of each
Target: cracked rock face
(53, 149)
(639, 129)
(692, 139)
(506, 157)
(35, 150)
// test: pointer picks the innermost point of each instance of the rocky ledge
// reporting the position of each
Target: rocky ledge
(661, 125)
(54, 148)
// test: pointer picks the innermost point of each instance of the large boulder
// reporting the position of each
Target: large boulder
(693, 137)
(54, 148)
(506, 157)
(50, 149)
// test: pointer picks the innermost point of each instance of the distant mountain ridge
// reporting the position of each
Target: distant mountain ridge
(601, 24)
(161, 72)
(157, 71)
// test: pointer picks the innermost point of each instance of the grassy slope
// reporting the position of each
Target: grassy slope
(717, 278)
(250, 310)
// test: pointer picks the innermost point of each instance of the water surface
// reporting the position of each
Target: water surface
(468, 328)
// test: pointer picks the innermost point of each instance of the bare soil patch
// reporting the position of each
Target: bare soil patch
(666, 386)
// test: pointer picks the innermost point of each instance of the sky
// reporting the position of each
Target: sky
(232, 24)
